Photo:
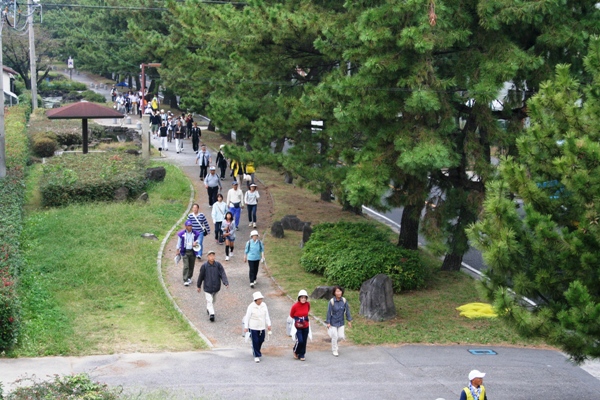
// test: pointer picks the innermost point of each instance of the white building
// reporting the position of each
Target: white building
(8, 76)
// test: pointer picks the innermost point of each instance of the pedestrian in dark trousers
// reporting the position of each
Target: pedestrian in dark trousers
(212, 183)
(219, 209)
(187, 240)
(254, 253)
(301, 328)
(221, 161)
(212, 274)
(251, 199)
(256, 322)
(196, 133)
(203, 159)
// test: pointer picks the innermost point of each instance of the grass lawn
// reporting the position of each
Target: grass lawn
(90, 283)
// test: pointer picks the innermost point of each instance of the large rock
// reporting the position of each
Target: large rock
(322, 292)
(306, 232)
(143, 198)
(377, 298)
(121, 193)
(293, 223)
(156, 174)
(277, 230)
(150, 236)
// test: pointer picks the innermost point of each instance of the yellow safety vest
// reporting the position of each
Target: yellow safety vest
(470, 396)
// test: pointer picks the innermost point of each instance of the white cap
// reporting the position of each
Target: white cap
(254, 232)
(221, 146)
(257, 295)
(302, 293)
(475, 374)
(212, 168)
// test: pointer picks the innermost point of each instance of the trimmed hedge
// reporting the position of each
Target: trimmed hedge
(91, 177)
(348, 254)
(62, 85)
(12, 194)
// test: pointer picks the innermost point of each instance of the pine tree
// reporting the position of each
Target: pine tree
(550, 253)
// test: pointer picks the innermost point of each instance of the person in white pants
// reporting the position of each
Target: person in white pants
(212, 274)
(163, 132)
(338, 307)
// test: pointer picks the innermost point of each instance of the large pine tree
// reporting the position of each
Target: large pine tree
(550, 252)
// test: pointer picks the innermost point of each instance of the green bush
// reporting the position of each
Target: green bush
(350, 253)
(92, 96)
(61, 85)
(90, 177)
(11, 199)
(79, 386)
(44, 147)
(69, 138)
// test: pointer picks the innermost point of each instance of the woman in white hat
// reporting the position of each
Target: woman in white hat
(251, 199)
(254, 253)
(256, 322)
(299, 313)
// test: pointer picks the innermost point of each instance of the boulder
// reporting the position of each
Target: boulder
(156, 174)
(277, 230)
(288, 178)
(150, 236)
(377, 298)
(293, 223)
(306, 232)
(143, 198)
(322, 292)
(121, 194)
(132, 152)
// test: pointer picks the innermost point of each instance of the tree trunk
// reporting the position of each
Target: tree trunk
(171, 100)
(130, 82)
(288, 178)
(138, 83)
(452, 262)
(279, 143)
(409, 228)
(326, 194)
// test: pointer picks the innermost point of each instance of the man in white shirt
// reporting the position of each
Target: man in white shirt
(235, 202)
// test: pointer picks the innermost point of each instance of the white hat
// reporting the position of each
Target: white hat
(221, 146)
(162, 110)
(302, 293)
(257, 295)
(212, 168)
(475, 374)
(254, 232)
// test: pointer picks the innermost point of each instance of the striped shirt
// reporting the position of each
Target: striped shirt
(199, 222)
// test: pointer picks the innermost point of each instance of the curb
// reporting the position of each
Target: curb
(159, 268)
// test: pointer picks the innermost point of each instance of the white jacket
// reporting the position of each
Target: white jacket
(257, 317)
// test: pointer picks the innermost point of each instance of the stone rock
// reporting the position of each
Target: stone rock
(277, 230)
(156, 174)
(377, 298)
(293, 223)
(306, 232)
(133, 152)
(288, 178)
(143, 198)
(121, 194)
(150, 236)
(322, 292)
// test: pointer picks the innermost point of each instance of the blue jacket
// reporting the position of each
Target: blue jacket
(181, 241)
(254, 250)
(335, 312)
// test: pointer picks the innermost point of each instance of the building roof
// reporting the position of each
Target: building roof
(82, 110)
(9, 70)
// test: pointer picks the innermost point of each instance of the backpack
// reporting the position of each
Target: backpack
(333, 299)
(262, 249)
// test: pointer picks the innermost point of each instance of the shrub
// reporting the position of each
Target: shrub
(350, 253)
(61, 85)
(91, 177)
(92, 96)
(44, 147)
(78, 386)
(69, 138)
(11, 199)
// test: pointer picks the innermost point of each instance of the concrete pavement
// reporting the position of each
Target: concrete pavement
(408, 372)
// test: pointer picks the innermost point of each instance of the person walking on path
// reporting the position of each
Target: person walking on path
(256, 322)
(196, 133)
(212, 183)
(155, 122)
(235, 202)
(228, 227)
(200, 224)
(254, 253)
(179, 136)
(299, 312)
(249, 170)
(219, 209)
(163, 132)
(251, 199)
(235, 167)
(475, 390)
(212, 274)
(221, 162)
(203, 159)
(186, 242)
(338, 307)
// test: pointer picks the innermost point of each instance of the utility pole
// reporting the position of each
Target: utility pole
(32, 61)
